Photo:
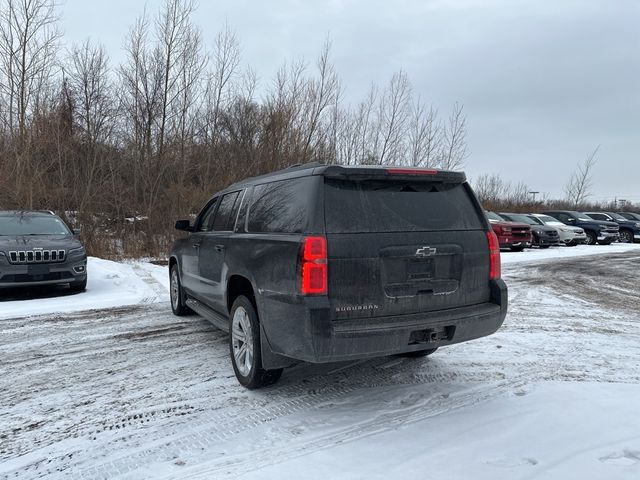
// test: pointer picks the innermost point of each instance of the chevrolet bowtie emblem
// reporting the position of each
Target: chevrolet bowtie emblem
(425, 252)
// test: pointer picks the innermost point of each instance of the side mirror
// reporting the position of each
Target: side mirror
(184, 225)
(76, 232)
(571, 220)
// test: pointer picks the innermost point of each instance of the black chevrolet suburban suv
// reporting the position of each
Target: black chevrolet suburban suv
(323, 263)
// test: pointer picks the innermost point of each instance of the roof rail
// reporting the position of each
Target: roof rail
(309, 164)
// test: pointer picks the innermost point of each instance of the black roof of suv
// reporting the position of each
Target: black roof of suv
(324, 262)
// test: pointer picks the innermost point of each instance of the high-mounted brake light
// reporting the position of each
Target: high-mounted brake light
(411, 171)
(314, 266)
(494, 256)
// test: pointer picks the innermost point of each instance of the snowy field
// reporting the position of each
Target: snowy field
(126, 390)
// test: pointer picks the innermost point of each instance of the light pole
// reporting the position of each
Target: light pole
(534, 195)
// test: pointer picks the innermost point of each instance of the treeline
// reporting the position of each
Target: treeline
(499, 195)
(154, 136)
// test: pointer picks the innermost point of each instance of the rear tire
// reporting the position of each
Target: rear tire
(605, 242)
(244, 347)
(545, 246)
(517, 249)
(178, 297)
(419, 353)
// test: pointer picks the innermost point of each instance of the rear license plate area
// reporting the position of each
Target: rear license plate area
(432, 335)
(419, 269)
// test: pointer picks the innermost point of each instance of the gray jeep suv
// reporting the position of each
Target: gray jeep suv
(38, 248)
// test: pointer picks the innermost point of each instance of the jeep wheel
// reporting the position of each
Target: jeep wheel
(591, 238)
(419, 353)
(178, 298)
(626, 236)
(244, 347)
(78, 287)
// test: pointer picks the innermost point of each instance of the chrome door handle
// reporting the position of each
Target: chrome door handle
(219, 248)
(196, 245)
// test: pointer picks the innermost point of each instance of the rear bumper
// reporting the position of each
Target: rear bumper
(311, 336)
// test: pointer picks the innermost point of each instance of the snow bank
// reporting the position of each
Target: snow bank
(111, 284)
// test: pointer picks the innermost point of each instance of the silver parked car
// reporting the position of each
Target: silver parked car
(569, 235)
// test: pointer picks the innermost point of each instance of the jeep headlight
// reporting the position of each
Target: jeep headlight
(80, 251)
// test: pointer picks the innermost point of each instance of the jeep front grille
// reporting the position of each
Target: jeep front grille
(37, 256)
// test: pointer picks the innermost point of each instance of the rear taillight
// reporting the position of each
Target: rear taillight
(494, 256)
(314, 266)
(411, 171)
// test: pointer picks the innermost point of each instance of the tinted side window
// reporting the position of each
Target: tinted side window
(281, 206)
(206, 217)
(225, 212)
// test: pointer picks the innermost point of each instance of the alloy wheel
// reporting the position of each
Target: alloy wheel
(175, 288)
(242, 341)
(625, 237)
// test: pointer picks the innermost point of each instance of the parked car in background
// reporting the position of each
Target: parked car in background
(512, 235)
(325, 263)
(542, 236)
(597, 231)
(630, 215)
(629, 229)
(570, 236)
(38, 248)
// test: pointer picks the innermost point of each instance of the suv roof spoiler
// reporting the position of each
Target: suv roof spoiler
(391, 172)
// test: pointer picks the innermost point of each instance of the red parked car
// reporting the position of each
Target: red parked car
(513, 235)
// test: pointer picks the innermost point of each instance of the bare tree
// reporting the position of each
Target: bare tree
(92, 96)
(454, 142)
(28, 47)
(424, 135)
(578, 188)
(490, 188)
(226, 63)
(28, 44)
(320, 94)
(392, 119)
(176, 37)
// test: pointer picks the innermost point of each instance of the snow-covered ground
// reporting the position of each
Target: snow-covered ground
(133, 392)
(109, 285)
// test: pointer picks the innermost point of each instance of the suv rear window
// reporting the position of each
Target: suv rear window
(281, 206)
(397, 206)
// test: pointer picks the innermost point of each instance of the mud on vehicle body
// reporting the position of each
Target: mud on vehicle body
(326, 263)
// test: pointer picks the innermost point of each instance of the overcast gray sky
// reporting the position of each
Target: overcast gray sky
(543, 82)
